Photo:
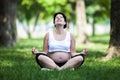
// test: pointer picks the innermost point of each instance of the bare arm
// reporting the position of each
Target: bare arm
(45, 43)
(73, 46)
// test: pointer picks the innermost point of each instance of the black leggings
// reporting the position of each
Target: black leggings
(59, 64)
(80, 55)
(37, 55)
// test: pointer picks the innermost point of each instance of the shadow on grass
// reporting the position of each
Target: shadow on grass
(99, 71)
(16, 65)
(30, 43)
(95, 54)
(102, 39)
(24, 67)
(19, 64)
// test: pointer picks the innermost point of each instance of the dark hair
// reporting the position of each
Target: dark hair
(63, 16)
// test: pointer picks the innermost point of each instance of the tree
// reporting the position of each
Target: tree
(97, 11)
(8, 22)
(114, 43)
(40, 9)
(81, 21)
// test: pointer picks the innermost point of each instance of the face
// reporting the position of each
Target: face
(59, 20)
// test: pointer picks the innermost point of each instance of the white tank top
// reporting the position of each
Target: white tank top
(55, 45)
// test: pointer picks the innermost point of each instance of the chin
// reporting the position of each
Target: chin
(58, 24)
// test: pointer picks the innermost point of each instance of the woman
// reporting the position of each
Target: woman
(59, 47)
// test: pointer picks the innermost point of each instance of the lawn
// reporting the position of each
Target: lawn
(18, 63)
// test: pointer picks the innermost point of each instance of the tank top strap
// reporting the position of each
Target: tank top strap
(51, 37)
(68, 36)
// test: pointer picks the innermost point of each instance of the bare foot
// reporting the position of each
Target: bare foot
(34, 51)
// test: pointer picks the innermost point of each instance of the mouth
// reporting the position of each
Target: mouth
(59, 20)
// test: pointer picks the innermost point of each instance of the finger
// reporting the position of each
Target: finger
(86, 49)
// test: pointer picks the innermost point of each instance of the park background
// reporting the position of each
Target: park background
(27, 21)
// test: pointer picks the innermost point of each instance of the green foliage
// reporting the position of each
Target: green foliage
(98, 9)
(18, 63)
(28, 9)
(46, 8)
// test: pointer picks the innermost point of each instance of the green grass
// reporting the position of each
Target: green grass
(18, 63)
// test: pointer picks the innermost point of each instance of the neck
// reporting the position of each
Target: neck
(59, 29)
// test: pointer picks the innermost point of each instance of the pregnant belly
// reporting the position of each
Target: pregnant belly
(60, 57)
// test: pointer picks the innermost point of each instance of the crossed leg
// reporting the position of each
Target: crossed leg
(73, 62)
(44, 61)
(76, 60)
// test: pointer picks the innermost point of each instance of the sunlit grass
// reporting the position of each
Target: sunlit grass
(18, 63)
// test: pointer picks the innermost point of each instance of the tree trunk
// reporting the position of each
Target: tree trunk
(81, 21)
(114, 44)
(93, 28)
(8, 22)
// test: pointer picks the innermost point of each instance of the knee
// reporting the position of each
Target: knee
(41, 57)
(79, 58)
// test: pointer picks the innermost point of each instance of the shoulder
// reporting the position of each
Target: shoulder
(71, 36)
(46, 35)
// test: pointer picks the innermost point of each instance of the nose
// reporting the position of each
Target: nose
(58, 17)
